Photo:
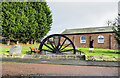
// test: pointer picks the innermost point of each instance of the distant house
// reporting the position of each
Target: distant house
(103, 37)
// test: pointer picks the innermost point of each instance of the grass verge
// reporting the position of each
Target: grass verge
(97, 51)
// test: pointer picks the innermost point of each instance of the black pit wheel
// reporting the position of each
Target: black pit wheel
(57, 43)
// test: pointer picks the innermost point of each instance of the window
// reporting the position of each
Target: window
(83, 39)
(100, 39)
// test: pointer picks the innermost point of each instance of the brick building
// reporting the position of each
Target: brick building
(103, 37)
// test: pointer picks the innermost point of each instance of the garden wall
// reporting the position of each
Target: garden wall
(45, 57)
(61, 57)
(101, 58)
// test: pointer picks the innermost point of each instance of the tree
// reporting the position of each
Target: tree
(116, 29)
(5, 22)
(117, 33)
(25, 20)
(0, 20)
(108, 22)
(43, 17)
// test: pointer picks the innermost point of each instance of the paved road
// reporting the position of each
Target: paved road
(27, 69)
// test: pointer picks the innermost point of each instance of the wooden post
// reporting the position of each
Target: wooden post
(30, 41)
(34, 41)
(27, 42)
(17, 42)
(8, 42)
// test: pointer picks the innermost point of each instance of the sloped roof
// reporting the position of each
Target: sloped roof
(89, 30)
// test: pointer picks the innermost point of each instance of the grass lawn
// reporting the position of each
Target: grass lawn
(97, 51)
(5, 48)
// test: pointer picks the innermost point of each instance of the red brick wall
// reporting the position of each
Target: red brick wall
(105, 45)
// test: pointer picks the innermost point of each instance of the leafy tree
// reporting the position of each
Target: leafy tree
(116, 29)
(0, 20)
(25, 20)
(43, 18)
(117, 33)
(5, 22)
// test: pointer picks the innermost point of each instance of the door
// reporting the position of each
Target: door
(109, 41)
(89, 40)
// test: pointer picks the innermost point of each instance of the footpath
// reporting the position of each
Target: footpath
(62, 62)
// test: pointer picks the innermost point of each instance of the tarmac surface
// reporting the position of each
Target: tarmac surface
(62, 62)
(28, 69)
(37, 67)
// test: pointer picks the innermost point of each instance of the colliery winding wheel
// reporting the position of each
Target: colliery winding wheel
(57, 43)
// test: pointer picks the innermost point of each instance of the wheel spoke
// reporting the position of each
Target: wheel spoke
(62, 44)
(54, 40)
(47, 46)
(59, 37)
(65, 46)
(50, 43)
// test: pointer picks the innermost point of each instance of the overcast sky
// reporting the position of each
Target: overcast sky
(81, 13)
